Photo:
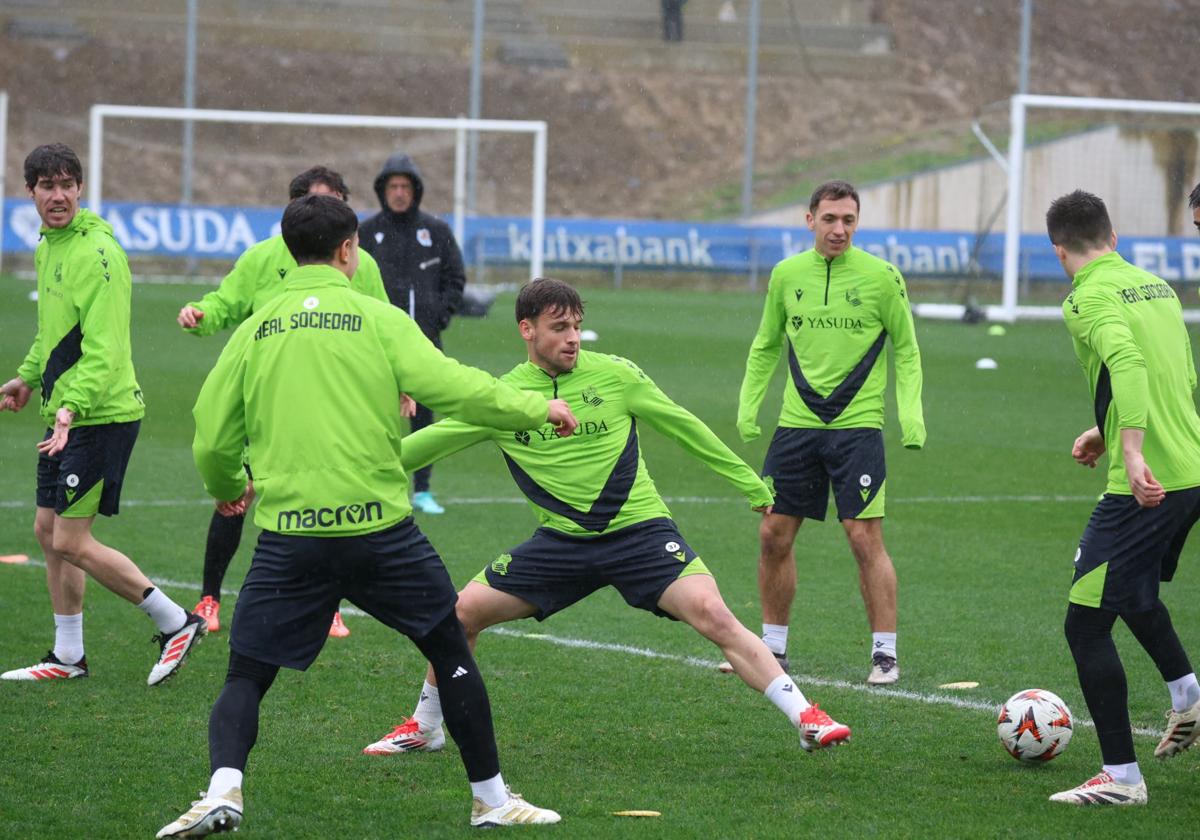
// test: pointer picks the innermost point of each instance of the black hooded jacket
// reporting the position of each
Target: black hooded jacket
(421, 264)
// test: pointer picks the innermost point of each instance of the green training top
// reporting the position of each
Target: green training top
(595, 480)
(1127, 328)
(313, 381)
(81, 357)
(258, 275)
(834, 316)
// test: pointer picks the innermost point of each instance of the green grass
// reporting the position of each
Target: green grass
(983, 573)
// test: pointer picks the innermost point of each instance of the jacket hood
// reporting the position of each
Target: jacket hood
(400, 164)
(85, 222)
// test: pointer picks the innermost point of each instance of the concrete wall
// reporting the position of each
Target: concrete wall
(1143, 175)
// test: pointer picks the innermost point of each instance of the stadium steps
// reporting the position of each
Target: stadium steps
(797, 37)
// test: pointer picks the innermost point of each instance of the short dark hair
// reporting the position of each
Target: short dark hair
(315, 226)
(545, 294)
(303, 182)
(833, 190)
(51, 160)
(1194, 198)
(1079, 222)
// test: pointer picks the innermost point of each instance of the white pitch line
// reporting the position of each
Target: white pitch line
(673, 500)
(803, 680)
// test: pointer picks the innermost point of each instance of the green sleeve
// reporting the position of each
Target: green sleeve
(1099, 325)
(367, 280)
(220, 415)
(764, 356)
(102, 300)
(1191, 363)
(647, 402)
(438, 441)
(233, 301)
(454, 389)
(896, 315)
(30, 370)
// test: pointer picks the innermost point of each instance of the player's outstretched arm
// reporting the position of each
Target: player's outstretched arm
(647, 402)
(449, 387)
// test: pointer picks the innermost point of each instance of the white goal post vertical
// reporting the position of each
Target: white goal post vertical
(1009, 310)
(459, 125)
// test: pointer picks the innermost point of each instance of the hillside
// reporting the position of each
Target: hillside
(622, 142)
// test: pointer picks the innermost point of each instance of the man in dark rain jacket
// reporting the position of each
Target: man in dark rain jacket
(422, 270)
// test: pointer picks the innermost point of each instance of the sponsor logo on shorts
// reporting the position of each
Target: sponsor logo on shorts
(72, 480)
(329, 517)
(500, 564)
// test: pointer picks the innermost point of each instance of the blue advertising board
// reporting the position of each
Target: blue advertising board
(222, 233)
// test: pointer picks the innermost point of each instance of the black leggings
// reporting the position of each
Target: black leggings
(233, 724)
(1101, 675)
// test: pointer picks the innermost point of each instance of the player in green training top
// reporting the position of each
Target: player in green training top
(82, 361)
(1128, 331)
(256, 278)
(313, 381)
(831, 310)
(603, 522)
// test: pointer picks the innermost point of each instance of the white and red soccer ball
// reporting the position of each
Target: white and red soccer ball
(1034, 725)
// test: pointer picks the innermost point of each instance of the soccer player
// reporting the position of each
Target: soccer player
(314, 362)
(602, 520)
(82, 362)
(832, 309)
(1128, 332)
(257, 277)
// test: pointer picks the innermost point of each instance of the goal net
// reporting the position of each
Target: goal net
(245, 159)
(1141, 157)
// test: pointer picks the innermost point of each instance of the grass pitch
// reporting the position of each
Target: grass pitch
(604, 708)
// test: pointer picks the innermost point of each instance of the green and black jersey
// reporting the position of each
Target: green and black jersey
(81, 357)
(833, 319)
(1127, 328)
(595, 480)
(258, 276)
(313, 381)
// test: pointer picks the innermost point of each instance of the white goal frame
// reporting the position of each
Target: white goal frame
(1009, 310)
(459, 125)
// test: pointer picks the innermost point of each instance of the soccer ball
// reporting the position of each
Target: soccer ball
(1034, 725)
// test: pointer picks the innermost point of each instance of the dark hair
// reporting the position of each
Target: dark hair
(303, 182)
(1194, 198)
(1079, 222)
(315, 226)
(545, 294)
(833, 190)
(52, 160)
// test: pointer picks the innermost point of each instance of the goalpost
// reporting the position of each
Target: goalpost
(1137, 148)
(459, 125)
